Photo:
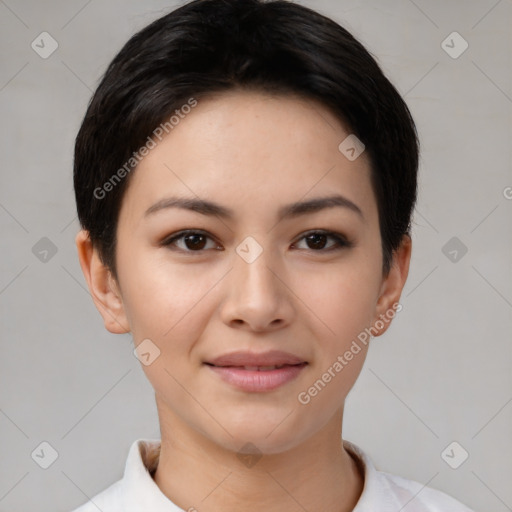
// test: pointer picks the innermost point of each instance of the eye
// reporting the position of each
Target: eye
(192, 241)
(317, 241)
(197, 241)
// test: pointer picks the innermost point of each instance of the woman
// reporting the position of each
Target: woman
(246, 216)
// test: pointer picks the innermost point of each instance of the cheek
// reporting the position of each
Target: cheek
(342, 299)
(343, 302)
(162, 301)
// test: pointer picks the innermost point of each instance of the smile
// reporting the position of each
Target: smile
(258, 379)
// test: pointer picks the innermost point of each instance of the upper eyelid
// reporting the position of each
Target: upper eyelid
(179, 235)
(329, 233)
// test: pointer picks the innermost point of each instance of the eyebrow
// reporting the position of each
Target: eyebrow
(292, 210)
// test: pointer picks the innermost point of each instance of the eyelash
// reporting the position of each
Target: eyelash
(341, 241)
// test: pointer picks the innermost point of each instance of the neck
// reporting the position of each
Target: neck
(198, 474)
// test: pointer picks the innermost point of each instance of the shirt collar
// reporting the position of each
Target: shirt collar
(375, 494)
(140, 491)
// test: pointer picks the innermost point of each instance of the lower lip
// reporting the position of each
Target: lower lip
(257, 381)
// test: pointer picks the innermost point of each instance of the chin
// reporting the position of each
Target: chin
(262, 437)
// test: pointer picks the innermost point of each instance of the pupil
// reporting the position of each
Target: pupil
(315, 239)
(197, 241)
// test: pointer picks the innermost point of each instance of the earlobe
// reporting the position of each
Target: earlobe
(392, 286)
(102, 286)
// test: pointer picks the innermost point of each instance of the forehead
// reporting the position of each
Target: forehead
(252, 150)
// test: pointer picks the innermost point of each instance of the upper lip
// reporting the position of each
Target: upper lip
(271, 358)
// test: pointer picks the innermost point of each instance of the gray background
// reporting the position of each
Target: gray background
(441, 373)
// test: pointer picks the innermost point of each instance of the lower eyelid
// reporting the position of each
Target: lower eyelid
(341, 241)
(171, 241)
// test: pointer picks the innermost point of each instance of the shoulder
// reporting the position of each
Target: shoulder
(418, 497)
(136, 491)
(108, 499)
(386, 492)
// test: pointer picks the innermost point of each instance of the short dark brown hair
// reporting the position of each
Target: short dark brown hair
(210, 46)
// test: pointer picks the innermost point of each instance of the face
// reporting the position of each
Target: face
(256, 273)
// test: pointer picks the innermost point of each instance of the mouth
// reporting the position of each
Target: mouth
(257, 368)
(266, 360)
(257, 372)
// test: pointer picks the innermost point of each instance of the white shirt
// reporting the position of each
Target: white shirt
(382, 492)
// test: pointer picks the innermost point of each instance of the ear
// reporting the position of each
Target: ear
(392, 286)
(102, 286)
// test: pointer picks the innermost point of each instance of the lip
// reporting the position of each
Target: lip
(244, 358)
(256, 378)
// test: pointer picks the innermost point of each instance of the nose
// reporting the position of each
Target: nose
(257, 297)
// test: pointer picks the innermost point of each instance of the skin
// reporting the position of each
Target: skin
(253, 153)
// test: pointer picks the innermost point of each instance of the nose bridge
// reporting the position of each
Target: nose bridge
(257, 296)
(252, 267)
